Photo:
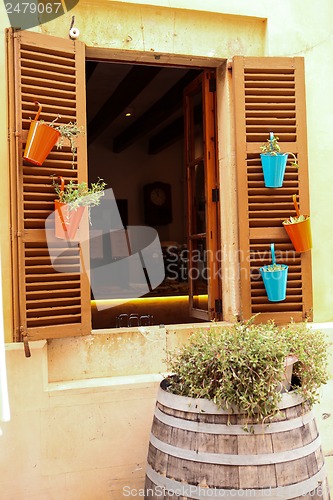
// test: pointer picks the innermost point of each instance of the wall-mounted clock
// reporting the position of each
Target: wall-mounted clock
(157, 204)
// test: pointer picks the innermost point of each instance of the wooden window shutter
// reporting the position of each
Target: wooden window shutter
(269, 95)
(51, 70)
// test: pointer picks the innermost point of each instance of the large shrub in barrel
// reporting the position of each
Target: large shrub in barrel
(243, 365)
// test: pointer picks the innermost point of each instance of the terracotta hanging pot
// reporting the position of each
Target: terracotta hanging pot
(300, 231)
(67, 219)
(41, 139)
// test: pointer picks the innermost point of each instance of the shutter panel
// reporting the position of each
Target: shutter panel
(50, 70)
(269, 95)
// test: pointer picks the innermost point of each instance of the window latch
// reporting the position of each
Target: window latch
(215, 195)
(218, 306)
(24, 335)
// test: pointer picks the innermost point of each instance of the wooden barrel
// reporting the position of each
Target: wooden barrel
(197, 451)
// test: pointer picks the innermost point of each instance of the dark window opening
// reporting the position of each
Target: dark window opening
(135, 135)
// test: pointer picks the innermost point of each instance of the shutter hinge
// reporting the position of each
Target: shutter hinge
(215, 195)
(212, 85)
(24, 337)
(308, 315)
(218, 306)
(15, 134)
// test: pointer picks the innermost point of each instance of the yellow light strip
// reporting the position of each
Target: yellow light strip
(170, 298)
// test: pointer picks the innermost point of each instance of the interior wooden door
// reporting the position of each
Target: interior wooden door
(202, 198)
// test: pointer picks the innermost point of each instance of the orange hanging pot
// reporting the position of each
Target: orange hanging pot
(67, 219)
(299, 231)
(41, 139)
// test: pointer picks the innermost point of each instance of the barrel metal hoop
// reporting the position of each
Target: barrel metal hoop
(228, 459)
(234, 429)
(198, 493)
(200, 405)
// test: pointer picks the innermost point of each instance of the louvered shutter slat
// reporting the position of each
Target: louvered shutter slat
(53, 303)
(54, 102)
(270, 97)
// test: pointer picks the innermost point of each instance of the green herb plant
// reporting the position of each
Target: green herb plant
(243, 365)
(294, 220)
(274, 267)
(69, 131)
(80, 194)
(272, 147)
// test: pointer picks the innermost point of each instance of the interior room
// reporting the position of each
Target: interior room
(135, 135)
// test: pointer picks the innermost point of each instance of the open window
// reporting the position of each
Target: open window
(151, 137)
(55, 71)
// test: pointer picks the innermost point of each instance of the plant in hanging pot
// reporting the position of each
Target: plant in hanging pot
(73, 200)
(42, 137)
(222, 404)
(274, 162)
(275, 279)
(68, 132)
(299, 229)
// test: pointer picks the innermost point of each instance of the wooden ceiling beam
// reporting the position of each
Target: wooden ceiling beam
(156, 114)
(131, 86)
(166, 137)
(171, 133)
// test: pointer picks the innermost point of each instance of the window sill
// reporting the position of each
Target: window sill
(105, 382)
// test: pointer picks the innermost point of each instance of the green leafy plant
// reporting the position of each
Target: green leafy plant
(69, 131)
(273, 267)
(80, 194)
(243, 365)
(294, 220)
(272, 147)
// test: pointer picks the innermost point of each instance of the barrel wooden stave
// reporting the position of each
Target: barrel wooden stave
(180, 470)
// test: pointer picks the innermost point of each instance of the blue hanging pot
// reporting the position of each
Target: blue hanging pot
(274, 167)
(275, 279)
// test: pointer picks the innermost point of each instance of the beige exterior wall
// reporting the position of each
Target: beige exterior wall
(72, 442)
(189, 32)
(87, 440)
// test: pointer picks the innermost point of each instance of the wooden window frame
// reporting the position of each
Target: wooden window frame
(204, 84)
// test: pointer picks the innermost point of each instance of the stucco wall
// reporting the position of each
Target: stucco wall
(87, 439)
(178, 30)
(72, 442)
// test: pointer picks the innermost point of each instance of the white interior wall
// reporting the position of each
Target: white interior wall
(127, 173)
